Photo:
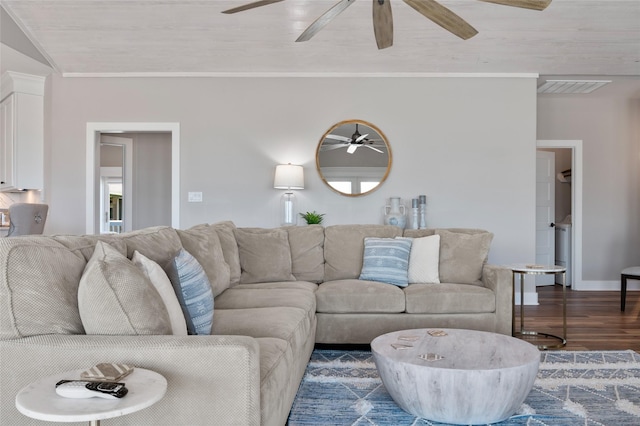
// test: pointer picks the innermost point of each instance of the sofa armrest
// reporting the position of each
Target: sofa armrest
(500, 280)
(211, 379)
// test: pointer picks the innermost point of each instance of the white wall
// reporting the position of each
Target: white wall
(608, 123)
(468, 143)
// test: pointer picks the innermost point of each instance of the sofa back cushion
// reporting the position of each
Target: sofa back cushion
(344, 248)
(38, 287)
(158, 243)
(265, 255)
(463, 253)
(229, 248)
(85, 244)
(418, 233)
(203, 243)
(307, 252)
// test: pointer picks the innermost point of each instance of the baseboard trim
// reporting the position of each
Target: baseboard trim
(632, 285)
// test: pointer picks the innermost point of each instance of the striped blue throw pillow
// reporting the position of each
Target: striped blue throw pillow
(386, 260)
(194, 292)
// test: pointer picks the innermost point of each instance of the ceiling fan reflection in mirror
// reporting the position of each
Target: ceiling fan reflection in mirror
(383, 18)
(353, 143)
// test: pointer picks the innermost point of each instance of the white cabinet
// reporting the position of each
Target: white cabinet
(21, 132)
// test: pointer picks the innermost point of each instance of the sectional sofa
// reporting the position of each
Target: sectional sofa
(69, 302)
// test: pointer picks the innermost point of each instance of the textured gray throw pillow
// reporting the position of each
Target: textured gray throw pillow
(116, 298)
(462, 256)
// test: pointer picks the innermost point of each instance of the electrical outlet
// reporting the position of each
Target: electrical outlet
(195, 197)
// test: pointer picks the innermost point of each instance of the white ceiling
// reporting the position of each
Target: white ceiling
(89, 37)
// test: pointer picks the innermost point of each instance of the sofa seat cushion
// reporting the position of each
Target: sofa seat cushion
(289, 324)
(359, 296)
(449, 298)
(282, 367)
(244, 298)
(301, 285)
(267, 298)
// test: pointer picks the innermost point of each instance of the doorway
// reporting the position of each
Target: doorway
(94, 214)
(575, 148)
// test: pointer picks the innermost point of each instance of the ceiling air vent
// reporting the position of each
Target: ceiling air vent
(571, 86)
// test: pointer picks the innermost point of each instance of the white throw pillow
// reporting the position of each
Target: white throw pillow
(161, 282)
(424, 260)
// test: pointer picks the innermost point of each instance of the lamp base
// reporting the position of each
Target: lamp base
(288, 209)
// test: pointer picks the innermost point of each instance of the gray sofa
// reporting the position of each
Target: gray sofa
(277, 292)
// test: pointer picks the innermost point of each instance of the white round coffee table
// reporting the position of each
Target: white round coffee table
(39, 400)
(456, 376)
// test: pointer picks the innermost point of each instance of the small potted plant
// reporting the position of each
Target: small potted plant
(312, 218)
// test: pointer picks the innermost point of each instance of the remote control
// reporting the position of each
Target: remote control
(87, 389)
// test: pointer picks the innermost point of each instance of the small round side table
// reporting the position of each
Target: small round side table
(530, 269)
(39, 399)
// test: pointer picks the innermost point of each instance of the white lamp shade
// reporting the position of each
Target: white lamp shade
(289, 176)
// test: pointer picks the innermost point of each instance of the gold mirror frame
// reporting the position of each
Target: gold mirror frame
(375, 138)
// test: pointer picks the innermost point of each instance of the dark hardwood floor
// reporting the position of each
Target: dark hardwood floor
(594, 319)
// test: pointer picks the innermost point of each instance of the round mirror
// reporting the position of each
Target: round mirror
(353, 157)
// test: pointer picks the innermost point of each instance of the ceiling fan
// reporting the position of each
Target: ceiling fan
(353, 143)
(383, 19)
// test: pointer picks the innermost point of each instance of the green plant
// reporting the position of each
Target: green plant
(312, 218)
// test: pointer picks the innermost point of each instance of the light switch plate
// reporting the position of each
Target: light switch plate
(195, 197)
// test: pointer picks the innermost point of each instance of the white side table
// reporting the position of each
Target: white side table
(39, 399)
(530, 269)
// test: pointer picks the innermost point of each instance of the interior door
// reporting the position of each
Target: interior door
(545, 213)
(109, 180)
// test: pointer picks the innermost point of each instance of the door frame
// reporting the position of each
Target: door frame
(94, 130)
(576, 204)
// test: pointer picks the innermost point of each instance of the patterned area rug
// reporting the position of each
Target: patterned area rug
(572, 388)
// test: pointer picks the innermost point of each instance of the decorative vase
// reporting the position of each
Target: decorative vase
(394, 213)
(423, 211)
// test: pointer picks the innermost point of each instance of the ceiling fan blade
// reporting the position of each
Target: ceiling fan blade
(525, 4)
(352, 148)
(250, 6)
(443, 17)
(383, 23)
(329, 147)
(338, 138)
(375, 149)
(323, 20)
(361, 137)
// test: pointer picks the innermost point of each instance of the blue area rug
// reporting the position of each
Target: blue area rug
(590, 388)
